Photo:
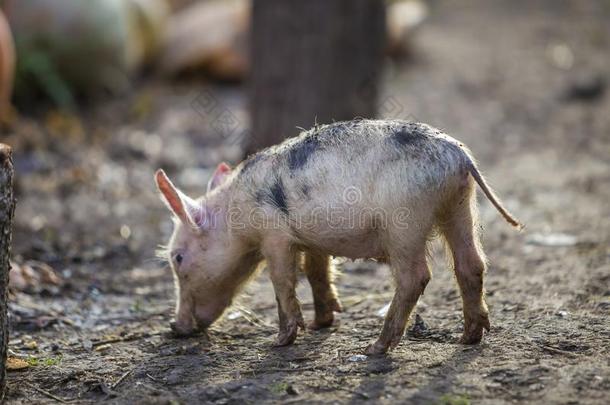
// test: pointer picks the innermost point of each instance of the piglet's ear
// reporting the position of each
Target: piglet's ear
(180, 204)
(219, 176)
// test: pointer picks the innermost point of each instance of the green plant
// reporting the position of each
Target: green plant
(52, 361)
(278, 388)
(34, 361)
(452, 399)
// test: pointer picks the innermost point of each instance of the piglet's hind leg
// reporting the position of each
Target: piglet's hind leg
(469, 264)
(319, 275)
(411, 277)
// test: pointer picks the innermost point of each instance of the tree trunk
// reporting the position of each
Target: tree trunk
(7, 209)
(314, 61)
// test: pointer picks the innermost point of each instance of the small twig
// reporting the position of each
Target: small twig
(356, 299)
(251, 317)
(278, 370)
(554, 350)
(551, 349)
(120, 380)
(47, 393)
(128, 338)
(152, 378)
(140, 317)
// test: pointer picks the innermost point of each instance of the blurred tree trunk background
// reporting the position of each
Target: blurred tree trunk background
(7, 68)
(7, 209)
(314, 61)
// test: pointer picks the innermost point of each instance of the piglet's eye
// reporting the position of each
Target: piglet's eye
(178, 258)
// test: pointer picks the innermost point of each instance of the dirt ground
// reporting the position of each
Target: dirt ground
(521, 82)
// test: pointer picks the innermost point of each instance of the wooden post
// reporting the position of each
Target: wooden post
(312, 61)
(7, 210)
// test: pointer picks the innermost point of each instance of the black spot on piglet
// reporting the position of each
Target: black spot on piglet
(407, 136)
(278, 196)
(300, 153)
(274, 196)
(305, 190)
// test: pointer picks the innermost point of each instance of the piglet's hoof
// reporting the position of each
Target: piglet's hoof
(322, 320)
(376, 349)
(179, 333)
(473, 331)
(287, 335)
(318, 324)
(325, 315)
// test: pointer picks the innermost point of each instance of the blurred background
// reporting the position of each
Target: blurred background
(96, 95)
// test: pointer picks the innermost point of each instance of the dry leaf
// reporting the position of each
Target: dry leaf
(14, 364)
(103, 348)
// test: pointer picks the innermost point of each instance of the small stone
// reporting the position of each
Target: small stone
(174, 377)
(168, 351)
(419, 326)
(291, 390)
(357, 358)
(87, 344)
(562, 314)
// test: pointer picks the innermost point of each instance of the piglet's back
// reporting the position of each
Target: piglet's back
(375, 160)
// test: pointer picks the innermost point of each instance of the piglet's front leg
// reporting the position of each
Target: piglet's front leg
(282, 264)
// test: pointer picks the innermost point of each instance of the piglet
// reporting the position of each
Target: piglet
(375, 189)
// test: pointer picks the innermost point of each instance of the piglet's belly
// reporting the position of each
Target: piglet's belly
(350, 245)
